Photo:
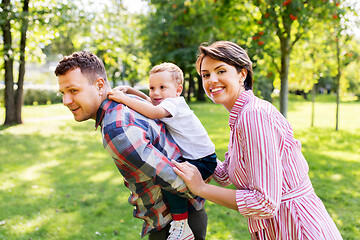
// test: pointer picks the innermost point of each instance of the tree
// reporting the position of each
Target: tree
(247, 35)
(110, 32)
(343, 58)
(174, 30)
(352, 74)
(22, 19)
(13, 98)
(118, 43)
(288, 21)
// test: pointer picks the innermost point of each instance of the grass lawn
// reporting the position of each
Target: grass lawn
(57, 181)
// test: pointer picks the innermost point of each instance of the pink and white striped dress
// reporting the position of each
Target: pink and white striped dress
(264, 162)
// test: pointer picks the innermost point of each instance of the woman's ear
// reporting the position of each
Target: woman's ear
(179, 90)
(243, 75)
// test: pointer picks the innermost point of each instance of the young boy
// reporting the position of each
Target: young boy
(165, 87)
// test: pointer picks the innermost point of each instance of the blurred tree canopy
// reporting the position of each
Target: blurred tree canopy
(291, 42)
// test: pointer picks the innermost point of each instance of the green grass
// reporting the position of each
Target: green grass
(57, 181)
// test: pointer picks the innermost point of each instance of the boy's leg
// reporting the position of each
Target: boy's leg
(180, 228)
(178, 205)
(206, 165)
(197, 222)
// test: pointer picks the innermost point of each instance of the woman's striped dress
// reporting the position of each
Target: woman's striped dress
(264, 162)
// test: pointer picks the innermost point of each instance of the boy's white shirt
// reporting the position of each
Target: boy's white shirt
(186, 129)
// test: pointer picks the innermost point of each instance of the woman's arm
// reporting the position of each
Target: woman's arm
(260, 140)
(144, 108)
(192, 177)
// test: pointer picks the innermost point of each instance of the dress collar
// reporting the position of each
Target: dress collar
(101, 112)
(239, 103)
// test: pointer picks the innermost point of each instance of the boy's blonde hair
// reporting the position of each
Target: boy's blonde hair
(176, 73)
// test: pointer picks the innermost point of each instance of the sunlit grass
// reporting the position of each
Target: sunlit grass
(57, 181)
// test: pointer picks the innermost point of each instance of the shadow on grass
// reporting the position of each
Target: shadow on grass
(4, 127)
(62, 186)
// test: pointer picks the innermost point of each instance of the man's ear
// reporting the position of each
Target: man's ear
(179, 90)
(99, 83)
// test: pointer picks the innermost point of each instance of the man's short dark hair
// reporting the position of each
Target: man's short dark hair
(90, 65)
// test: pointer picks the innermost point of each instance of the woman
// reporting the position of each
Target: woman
(264, 161)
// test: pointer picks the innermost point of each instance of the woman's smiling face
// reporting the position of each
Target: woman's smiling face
(222, 82)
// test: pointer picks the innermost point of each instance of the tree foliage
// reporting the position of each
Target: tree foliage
(26, 29)
(60, 28)
(282, 23)
(291, 42)
(174, 30)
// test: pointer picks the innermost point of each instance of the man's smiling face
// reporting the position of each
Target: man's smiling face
(79, 95)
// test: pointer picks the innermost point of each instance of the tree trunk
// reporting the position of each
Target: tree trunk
(338, 75)
(10, 113)
(200, 96)
(313, 94)
(20, 83)
(191, 88)
(284, 72)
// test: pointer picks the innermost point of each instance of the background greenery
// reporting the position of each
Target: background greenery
(57, 181)
(295, 45)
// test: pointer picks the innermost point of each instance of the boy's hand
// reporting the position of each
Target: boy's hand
(123, 89)
(116, 95)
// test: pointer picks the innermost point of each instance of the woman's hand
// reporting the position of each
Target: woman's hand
(191, 176)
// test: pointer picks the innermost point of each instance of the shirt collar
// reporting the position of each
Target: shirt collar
(101, 112)
(239, 103)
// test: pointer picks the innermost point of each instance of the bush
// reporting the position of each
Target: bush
(41, 96)
(36, 96)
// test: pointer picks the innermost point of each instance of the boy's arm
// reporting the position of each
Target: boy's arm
(144, 108)
(133, 91)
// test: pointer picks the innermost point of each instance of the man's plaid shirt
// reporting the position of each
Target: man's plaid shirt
(142, 150)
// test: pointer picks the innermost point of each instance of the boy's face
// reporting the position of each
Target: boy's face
(82, 98)
(161, 86)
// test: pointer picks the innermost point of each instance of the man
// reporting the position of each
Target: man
(141, 148)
